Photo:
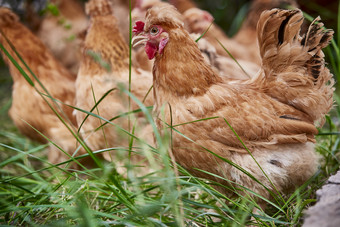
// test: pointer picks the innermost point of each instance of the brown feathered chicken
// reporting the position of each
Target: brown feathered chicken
(105, 66)
(273, 113)
(60, 32)
(29, 111)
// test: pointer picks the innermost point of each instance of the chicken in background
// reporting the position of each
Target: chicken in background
(29, 111)
(60, 32)
(274, 113)
(109, 71)
(63, 33)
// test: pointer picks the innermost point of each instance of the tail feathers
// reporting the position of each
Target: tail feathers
(293, 65)
(7, 17)
(98, 8)
(276, 27)
(316, 37)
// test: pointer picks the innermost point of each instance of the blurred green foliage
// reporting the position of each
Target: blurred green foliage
(229, 14)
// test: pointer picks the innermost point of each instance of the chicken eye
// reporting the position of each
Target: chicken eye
(154, 31)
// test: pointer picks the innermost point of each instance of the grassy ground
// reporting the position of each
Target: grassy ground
(34, 192)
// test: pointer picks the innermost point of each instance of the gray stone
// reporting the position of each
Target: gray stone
(326, 212)
(335, 179)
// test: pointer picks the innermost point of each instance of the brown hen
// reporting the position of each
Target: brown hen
(105, 67)
(274, 113)
(29, 112)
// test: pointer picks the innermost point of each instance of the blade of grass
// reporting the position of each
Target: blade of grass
(233, 59)
(200, 37)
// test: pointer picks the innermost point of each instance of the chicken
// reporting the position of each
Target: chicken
(60, 32)
(63, 32)
(110, 71)
(274, 113)
(29, 111)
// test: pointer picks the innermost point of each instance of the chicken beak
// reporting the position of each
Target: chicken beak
(139, 39)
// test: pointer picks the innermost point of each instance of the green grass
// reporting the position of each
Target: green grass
(35, 192)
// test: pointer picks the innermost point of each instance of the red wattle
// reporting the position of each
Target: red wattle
(150, 50)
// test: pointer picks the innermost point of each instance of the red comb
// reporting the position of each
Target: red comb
(139, 27)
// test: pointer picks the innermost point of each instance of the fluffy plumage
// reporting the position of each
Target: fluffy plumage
(28, 106)
(104, 40)
(278, 131)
